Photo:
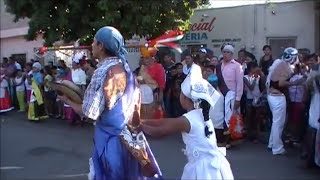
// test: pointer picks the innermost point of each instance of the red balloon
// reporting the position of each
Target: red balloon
(43, 49)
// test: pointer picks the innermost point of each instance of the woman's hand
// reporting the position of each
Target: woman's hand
(63, 98)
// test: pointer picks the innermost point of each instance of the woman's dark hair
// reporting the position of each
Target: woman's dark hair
(205, 111)
(251, 65)
(48, 70)
(29, 64)
(298, 67)
(244, 51)
(314, 55)
(173, 67)
(215, 57)
(178, 64)
(54, 68)
(266, 46)
(212, 67)
(63, 64)
(251, 56)
(90, 62)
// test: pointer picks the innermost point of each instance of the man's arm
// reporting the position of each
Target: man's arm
(239, 87)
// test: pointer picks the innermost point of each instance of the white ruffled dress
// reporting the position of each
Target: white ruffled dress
(205, 160)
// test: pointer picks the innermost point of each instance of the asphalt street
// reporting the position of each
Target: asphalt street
(52, 149)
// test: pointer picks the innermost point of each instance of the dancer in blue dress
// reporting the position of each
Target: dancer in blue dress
(112, 99)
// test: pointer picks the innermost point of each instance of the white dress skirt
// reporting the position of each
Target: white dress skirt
(205, 160)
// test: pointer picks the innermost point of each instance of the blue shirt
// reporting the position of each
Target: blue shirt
(37, 76)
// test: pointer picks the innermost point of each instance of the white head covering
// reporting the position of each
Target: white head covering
(37, 65)
(289, 55)
(77, 57)
(196, 88)
(228, 48)
(203, 50)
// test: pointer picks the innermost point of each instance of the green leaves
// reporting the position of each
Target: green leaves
(73, 19)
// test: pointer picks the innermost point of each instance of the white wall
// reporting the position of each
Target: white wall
(18, 45)
(254, 23)
(228, 25)
(290, 19)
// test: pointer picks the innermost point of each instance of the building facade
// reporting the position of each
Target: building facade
(12, 35)
(280, 25)
(251, 27)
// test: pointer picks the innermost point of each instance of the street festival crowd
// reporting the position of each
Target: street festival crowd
(252, 96)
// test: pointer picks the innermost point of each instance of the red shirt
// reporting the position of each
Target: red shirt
(156, 71)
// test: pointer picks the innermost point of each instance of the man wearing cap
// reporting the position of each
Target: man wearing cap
(113, 101)
(202, 56)
(231, 73)
(230, 82)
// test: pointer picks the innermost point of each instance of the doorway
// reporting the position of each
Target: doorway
(278, 44)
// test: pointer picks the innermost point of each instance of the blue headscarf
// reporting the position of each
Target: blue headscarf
(113, 41)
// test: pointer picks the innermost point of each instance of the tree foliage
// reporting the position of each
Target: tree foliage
(69, 20)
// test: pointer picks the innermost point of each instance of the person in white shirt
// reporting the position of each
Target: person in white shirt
(187, 64)
(253, 94)
(20, 91)
(27, 82)
(18, 66)
(79, 76)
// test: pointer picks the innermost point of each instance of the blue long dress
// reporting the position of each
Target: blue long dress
(111, 159)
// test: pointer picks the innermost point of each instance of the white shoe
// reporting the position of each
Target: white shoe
(284, 152)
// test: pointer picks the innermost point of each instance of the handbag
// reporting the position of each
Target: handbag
(137, 144)
(236, 127)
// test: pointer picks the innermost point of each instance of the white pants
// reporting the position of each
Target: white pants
(278, 107)
(229, 101)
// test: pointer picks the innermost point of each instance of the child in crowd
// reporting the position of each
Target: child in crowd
(296, 106)
(253, 95)
(27, 81)
(36, 109)
(216, 113)
(5, 100)
(169, 101)
(20, 90)
(49, 94)
(178, 78)
(205, 160)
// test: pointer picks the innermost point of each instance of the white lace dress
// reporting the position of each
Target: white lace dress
(205, 161)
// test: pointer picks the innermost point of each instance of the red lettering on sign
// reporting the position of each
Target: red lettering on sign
(203, 26)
